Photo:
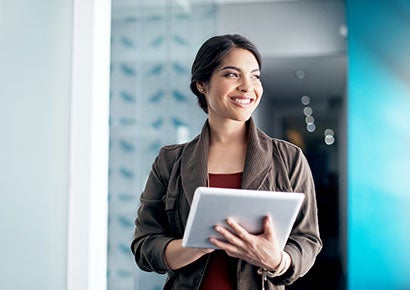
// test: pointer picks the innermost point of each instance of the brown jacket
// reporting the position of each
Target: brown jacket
(270, 164)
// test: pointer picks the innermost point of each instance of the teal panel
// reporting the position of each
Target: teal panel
(379, 145)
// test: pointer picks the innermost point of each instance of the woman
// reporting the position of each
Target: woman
(229, 152)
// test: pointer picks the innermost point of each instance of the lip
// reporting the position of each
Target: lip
(241, 101)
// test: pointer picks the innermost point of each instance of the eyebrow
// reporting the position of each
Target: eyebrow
(238, 69)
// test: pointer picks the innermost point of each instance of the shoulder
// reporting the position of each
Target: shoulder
(171, 153)
(293, 158)
(284, 152)
(168, 154)
(284, 147)
(168, 151)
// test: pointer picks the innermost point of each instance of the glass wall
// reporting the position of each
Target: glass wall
(153, 46)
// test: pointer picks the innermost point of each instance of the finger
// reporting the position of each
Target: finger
(218, 243)
(233, 243)
(227, 234)
(230, 250)
(238, 229)
(223, 245)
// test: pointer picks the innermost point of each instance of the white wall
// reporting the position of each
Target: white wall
(54, 96)
(35, 84)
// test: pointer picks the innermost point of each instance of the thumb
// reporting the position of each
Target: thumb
(268, 227)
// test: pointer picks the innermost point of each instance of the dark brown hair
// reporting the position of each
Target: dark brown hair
(210, 56)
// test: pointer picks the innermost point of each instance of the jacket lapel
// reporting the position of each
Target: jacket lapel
(258, 162)
(194, 163)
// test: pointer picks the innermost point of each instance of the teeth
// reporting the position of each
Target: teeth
(242, 101)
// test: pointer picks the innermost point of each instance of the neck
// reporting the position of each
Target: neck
(227, 132)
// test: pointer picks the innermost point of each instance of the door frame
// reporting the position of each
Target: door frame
(89, 143)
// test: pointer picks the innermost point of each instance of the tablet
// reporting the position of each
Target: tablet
(212, 206)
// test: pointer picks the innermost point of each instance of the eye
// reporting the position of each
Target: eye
(256, 77)
(232, 74)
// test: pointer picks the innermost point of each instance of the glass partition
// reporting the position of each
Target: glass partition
(153, 46)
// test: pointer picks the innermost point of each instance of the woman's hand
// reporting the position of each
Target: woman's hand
(259, 250)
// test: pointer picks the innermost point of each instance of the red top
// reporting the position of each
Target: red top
(221, 271)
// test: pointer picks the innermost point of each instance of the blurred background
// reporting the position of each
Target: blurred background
(304, 50)
(81, 130)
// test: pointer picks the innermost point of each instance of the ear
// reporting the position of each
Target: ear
(201, 87)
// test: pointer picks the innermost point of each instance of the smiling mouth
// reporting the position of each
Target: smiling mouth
(242, 101)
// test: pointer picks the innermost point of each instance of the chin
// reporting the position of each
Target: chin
(242, 118)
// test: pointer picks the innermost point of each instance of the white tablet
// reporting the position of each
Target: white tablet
(212, 206)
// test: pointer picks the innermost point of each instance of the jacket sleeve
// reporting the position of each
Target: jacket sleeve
(304, 242)
(151, 225)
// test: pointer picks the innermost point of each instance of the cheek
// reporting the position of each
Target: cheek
(217, 92)
(259, 89)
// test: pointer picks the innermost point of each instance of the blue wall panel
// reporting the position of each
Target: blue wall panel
(379, 145)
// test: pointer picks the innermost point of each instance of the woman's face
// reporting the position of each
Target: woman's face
(234, 90)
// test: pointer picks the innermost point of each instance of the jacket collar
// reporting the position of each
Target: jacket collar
(194, 160)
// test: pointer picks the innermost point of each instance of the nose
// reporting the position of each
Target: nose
(245, 85)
